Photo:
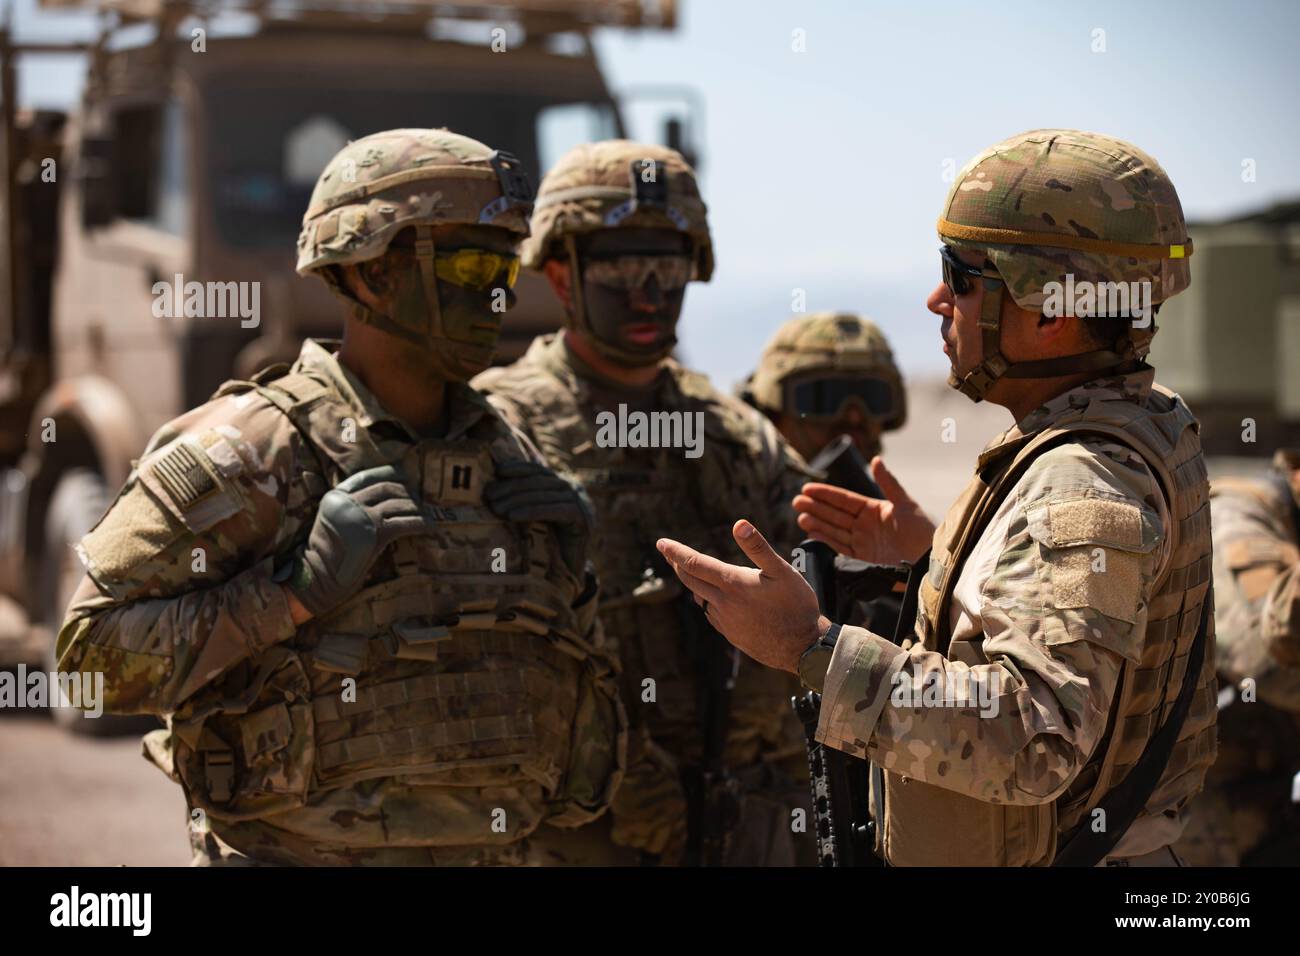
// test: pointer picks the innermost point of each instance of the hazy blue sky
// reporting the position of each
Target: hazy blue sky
(823, 169)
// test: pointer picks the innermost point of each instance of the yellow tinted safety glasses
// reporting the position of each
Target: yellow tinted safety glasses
(476, 269)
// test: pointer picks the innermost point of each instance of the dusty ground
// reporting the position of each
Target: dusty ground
(79, 801)
(67, 800)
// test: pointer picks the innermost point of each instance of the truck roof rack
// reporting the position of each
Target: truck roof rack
(538, 16)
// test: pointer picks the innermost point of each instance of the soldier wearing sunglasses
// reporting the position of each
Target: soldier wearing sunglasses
(1063, 623)
(359, 598)
(716, 757)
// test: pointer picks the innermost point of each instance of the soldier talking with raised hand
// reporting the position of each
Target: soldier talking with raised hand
(829, 383)
(716, 757)
(357, 596)
(1249, 814)
(1055, 703)
(825, 375)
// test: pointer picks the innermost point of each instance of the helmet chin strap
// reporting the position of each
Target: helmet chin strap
(582, 322)
(424, 256)
(976, 383)
(468, 359)
(459, 358)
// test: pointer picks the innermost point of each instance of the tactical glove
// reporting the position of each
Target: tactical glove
(355, 521)
(527, 491)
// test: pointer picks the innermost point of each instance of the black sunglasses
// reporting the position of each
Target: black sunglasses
(959, 276)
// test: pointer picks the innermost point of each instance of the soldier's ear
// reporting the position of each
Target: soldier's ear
(367, 281)
(558, 274)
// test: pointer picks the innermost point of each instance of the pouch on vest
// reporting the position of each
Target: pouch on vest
(926, 825)
(251, 755)
(595, 767)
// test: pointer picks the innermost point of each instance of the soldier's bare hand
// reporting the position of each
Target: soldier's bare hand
(769, 612)
(889, 531)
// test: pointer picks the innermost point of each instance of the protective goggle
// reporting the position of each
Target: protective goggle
(828, 398)
(959, 276)
(476, 269)
(633, 272)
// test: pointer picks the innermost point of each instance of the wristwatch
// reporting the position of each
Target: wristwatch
(815, 661)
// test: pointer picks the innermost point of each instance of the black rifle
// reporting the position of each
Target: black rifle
(843, 465)
(840, 790)
(845, 589)
(712, 809)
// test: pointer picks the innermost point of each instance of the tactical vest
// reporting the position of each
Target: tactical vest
(468, 665)
(639, 496)
(925, 825)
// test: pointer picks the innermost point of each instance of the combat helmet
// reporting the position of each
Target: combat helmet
(610, 185)
(829, 345)
(379, 185)
(1053, 203)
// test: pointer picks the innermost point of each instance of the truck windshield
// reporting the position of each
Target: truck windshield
(268, 145)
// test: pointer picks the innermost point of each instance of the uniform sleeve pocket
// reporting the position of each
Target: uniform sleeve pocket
(1094, 547)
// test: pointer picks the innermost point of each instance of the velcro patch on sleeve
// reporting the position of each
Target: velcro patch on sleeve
(1080, 519)
(1105, 579)
(1094, 547)
(118, 551)
(1096, 521)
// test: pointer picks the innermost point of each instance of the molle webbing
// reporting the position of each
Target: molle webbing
(425, 687)
(412, 747)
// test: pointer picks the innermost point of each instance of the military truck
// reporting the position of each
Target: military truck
(200, 133)
(1235, 354)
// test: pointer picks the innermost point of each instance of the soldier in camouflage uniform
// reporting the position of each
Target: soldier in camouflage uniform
(821, 377)
(1248, 813)
(355, 594)
(826, 375)
(716, 755)
(1064, 608)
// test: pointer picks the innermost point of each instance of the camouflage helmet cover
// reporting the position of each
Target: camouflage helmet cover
(379, 185)
(1054, 201)
(830, 342)
(1053, 205)
(618, 184)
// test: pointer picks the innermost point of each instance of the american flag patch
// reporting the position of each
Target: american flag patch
(183, 476)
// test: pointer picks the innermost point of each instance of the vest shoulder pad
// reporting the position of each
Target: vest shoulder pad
(726, 418)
